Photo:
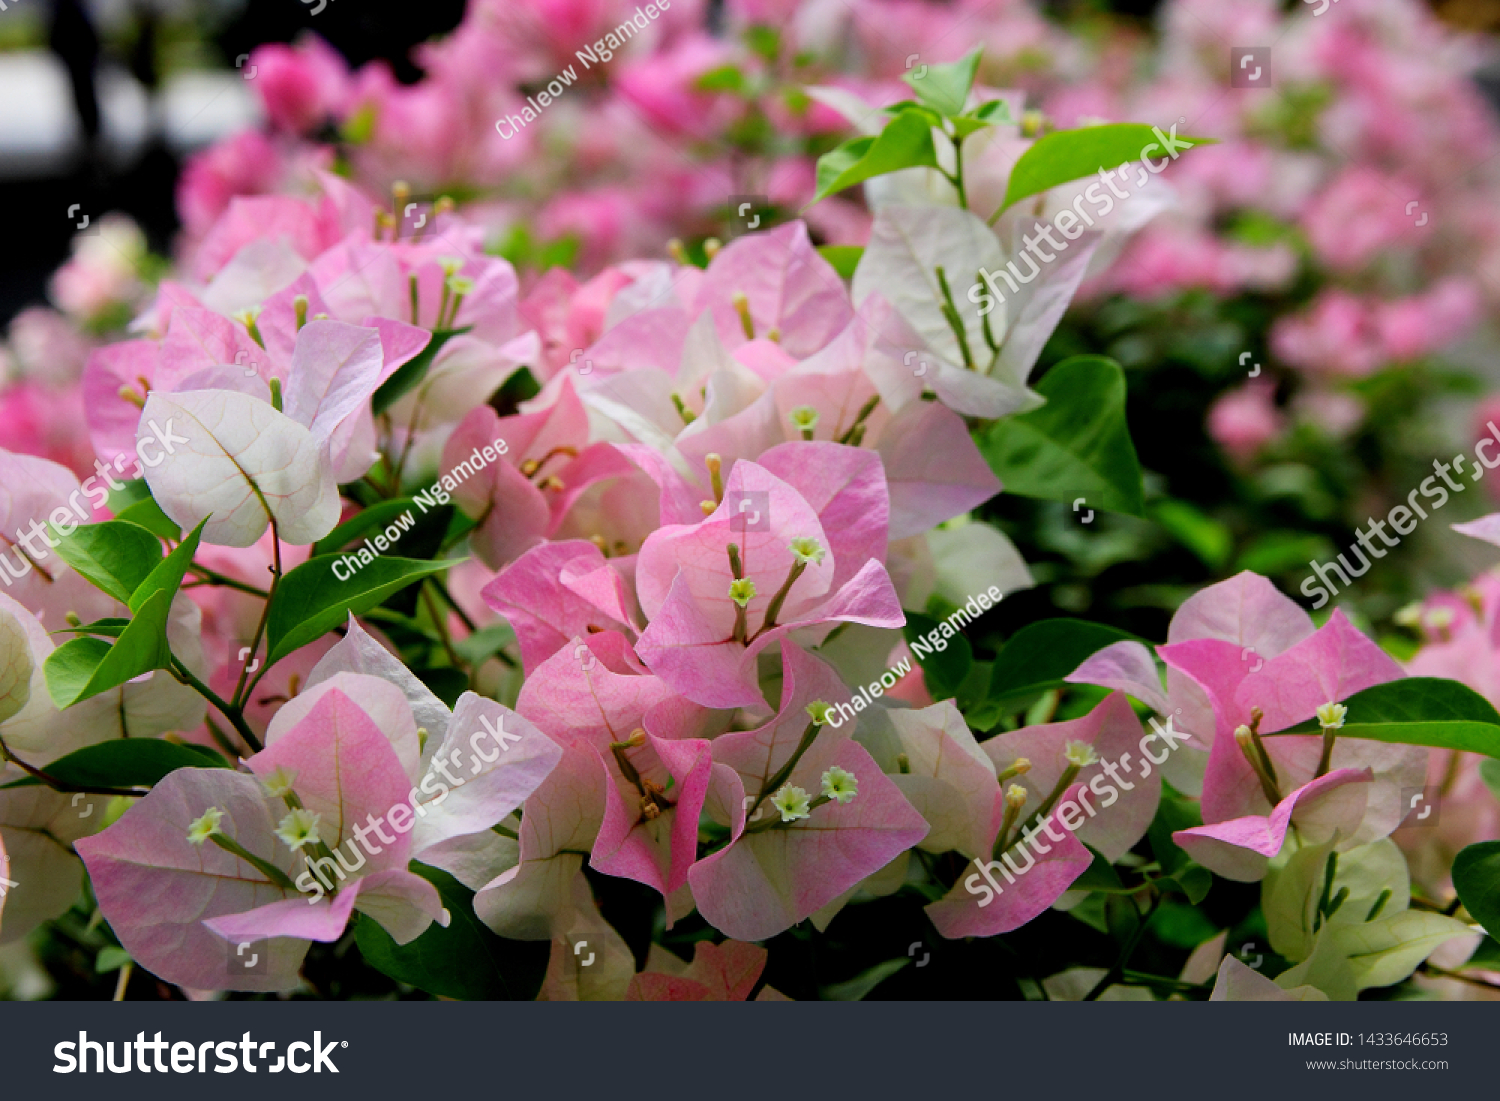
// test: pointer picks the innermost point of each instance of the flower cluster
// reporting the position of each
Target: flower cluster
(641, 527)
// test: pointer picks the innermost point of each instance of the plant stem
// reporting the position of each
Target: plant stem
(774, 783)
(241, 691)
(463, 616)
(213, 577)
(440, 624)
(1118, 970)
(234, 714)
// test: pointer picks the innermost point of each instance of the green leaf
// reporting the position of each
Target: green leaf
(356, 527)
(843, 258)
(116, 556)
(944, 670)
(1065, 155)
(465, 960)
(1192, 880)
(84, 667)
(1040, 655)
(1417, 699)
(1489, 772)
(856, 989)
(1204, 536)
(726, 78)
(411, 372)
(129, 493)
(167, 576)
(1077, 445)
(1426, 711)
(485, 642)
(1476, 877)
(148, 514)
(110, 958)
(1099, 876)
(1278, 552)
(906, 142)
(1173, 813)
(311, 600)
(110, 627)
(945, 88)
(130, 763)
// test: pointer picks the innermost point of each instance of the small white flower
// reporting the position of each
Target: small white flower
(279, 782)
(804, 417)
(201, 829)
(299, 827)
(1080, 754)
(791, 801)
(806, 549)
(840, 786)
(1331, 715)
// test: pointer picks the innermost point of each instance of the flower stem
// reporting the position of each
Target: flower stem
(265, 867)
(774, 783)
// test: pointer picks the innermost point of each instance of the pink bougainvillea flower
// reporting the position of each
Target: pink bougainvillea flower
(789, 858)
(948, 777)
(724, 972)
(1251, 696)
(1241, 848)
(556, 591)
(520, 498)
(357, 795)
(1105, 754)
(593, 698)
(225, 451)
(713, 609)
(156, 887)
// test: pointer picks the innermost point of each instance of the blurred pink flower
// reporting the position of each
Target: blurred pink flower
(1242, 421)
(1335, 335)
(247, 164)
(301, 86)
(664, 88)
(45, 345)
(1359, 214)
(1424, 323)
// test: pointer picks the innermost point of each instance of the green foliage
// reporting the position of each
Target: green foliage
(311, 600)
(945, 87)
(465, 960)
(1077, 445)
(906, 142)
(127, 762)
(1065, 155)
(944, 670)
(1040, 655)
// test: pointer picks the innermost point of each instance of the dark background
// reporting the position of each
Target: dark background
(361, 30)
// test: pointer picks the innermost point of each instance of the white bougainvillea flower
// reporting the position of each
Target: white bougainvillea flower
(239, 463)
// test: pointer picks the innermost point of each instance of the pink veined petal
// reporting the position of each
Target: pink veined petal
(1241, 848)
(305, 918)
(1127, 666)
(981, 912)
